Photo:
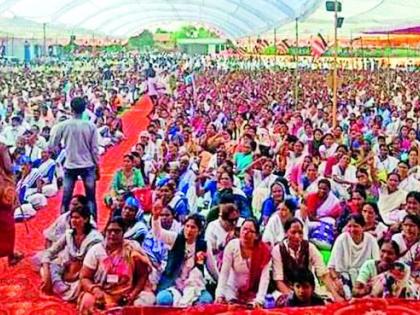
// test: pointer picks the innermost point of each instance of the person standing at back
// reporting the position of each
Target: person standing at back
(79, 139)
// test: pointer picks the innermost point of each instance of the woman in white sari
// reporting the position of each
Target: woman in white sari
(262, 183)
(328, 147)
(62, 262)
(391, 198)
(351, 249)
(274, 231)
(410, 234)
(344, 175)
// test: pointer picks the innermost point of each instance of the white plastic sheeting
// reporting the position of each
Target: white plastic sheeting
(234, 18)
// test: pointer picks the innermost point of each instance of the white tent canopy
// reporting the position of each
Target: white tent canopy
(234, 18)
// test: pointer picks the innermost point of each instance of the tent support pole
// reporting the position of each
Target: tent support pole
(297, 62)
(334, 109)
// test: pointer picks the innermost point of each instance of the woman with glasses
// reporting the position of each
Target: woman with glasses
(245, 272)
(295, 252)
(114, 272)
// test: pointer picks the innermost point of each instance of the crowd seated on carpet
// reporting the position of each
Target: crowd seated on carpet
(33, 101)
(235, 193)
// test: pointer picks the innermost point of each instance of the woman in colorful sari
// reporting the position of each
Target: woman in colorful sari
(412, 259)
(244, 158)
(8, 202)
(295, 252)
(321, 208)
(114, 272)
(391, 198)
(182, 282)
(371, 268)
(297, 173)
(61, 263)
(351, 249)
(211, 139)
(127, 178)
(323, 203)
(245, 272)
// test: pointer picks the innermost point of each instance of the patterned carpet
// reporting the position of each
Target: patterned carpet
(19, 286)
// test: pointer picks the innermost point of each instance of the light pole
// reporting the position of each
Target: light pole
(297, 63)
(334, 111)
(44, 30)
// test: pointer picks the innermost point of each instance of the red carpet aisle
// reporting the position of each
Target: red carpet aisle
(19, 293)
(358, 307)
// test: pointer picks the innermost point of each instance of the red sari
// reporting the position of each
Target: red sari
(7, 204)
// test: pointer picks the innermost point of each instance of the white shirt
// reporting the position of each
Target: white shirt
(216, 237)
(235, 274)
(389, 164)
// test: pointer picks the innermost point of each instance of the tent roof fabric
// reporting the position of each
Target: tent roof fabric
(233, 18)
(415, 30)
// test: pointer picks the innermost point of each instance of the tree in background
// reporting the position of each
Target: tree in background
(142, 41)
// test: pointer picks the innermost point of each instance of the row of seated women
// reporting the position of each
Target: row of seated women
(227, 260)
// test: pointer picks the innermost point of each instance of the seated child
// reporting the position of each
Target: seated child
(303, 291)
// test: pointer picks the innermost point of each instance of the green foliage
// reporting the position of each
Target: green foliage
(190, 31)
(142, 41)
(161, 31)
(270, 50)
(69, 48)
(114, 48)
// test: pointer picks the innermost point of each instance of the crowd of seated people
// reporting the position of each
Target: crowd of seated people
(33, 101)
(235, 194)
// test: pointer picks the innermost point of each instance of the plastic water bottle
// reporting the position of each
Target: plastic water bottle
(269, 302)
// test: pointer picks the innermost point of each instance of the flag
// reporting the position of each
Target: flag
(282, 47)
(319, 46)
(241, 51)
(189, 79)
(260, 45)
